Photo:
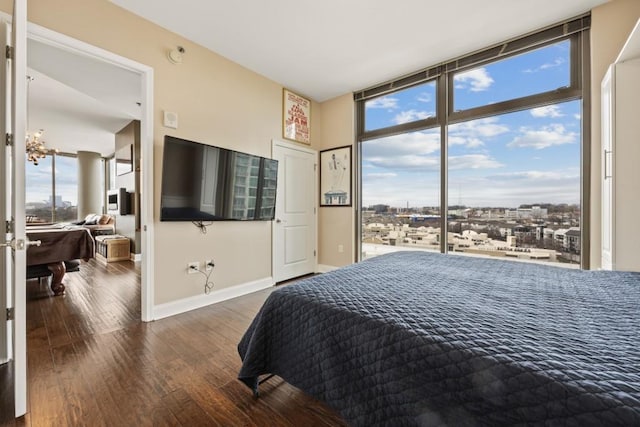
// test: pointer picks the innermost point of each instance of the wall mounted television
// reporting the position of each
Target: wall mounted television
(207, 183)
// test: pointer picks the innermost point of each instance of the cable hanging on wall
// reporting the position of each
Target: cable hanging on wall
(202, 226)
(208, 284)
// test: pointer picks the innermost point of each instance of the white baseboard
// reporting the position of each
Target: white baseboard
(135, 257)
(323, 268)
(198, 301)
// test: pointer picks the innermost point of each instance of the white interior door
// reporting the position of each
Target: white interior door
(13, 267)
(294, 227)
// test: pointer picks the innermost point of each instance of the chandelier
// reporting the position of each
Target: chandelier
(35, 146)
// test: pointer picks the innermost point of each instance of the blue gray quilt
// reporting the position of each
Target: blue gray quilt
(425, 339)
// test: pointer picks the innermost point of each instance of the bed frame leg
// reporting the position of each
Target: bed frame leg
(256, 393)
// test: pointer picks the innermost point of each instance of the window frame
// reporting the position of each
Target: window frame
(568, 93)
(53, 193)
(575, 30)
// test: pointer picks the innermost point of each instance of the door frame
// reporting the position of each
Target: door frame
(6, 295)
(52, 38)
(61, 41)
(290, 146)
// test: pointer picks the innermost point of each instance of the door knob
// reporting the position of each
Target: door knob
(34, 242)
(19, 244)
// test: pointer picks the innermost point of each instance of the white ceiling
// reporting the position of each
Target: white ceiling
(320, 49)
(323, 49)
(79, 102)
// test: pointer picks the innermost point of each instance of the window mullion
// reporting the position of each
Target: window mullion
(400, 129)
(512, 105)
(443, 90)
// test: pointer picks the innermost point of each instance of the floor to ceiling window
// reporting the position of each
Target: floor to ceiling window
(496, 138)
(401, 192)
(52, 189)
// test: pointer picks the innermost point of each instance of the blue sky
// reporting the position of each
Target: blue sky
(529, 156)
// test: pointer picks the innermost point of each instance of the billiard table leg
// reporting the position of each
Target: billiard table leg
(58, 269)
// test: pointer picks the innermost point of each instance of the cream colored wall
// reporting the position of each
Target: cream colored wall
(89, 178)
(611, 24)
(336, 224)
(218, 102)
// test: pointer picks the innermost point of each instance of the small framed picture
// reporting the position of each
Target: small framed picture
(335, 177)
(296, 117)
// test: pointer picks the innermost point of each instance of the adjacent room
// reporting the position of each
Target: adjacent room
(361, 213)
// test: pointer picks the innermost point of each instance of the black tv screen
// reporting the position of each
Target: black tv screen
(206, 183)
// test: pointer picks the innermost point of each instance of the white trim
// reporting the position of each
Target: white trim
(61, 41)
(292, 146)
(18, 118)
(198, 301)
(146, 199)
(324, 268)
(6, 293)
(135, 257)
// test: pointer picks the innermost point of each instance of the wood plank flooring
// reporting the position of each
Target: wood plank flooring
(92, 362)
(6, 393)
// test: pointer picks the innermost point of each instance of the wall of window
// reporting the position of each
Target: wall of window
(483, 154)
(52, 189)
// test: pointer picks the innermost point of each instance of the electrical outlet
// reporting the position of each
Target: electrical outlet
(208, 265)
(340, 248)
(192, 267)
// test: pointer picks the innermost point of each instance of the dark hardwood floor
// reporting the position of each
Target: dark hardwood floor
(92, 362)
(6, 393)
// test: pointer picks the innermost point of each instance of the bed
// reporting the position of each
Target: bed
(419, 338)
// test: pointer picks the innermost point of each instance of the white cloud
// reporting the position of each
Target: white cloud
(380, 175)
(473, 134)
(476, 80)
(419, 143)
(547, 111)
(556, 63)
(510, 189)
(507, 189)
(412, 189)
(538, 176)
(407, 162)
(481, 128)
(469, 142)
(577, 116)
(424, 97)
(411, 116)
(473, 161)
(545, 137)
(474, 143)
(384, 102)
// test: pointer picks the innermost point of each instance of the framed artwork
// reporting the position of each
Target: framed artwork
(335, 177)
(296, 117)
